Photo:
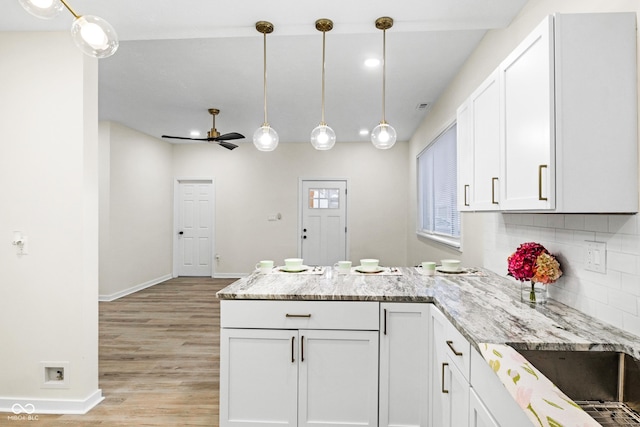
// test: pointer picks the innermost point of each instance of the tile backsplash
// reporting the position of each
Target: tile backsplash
(613, 296)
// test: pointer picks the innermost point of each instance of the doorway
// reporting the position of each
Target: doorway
(323, 221)
(193, 242)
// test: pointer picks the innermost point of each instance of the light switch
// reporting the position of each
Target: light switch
(596, 257)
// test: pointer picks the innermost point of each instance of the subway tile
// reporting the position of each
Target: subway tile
(625, 263)
(630, 283)
(541, 220)
(609, 314)
(555, 221)
(613, 241)
(624, 224)
(631, 323)
(574, 222)
(596, 223)
(623, 301)
(630, 244)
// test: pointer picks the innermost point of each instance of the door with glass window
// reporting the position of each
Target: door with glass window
(323, 224)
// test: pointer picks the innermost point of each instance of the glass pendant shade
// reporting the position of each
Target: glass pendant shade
(45, 9)
(383, 136)
(323, 137)
(94, 36)
(265, 138)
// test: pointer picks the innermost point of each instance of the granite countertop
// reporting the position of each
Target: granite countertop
(484, 307)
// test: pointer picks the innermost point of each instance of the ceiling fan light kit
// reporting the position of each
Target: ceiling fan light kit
(323, 137)
(93, 35)
(384, 135)
(265, 138)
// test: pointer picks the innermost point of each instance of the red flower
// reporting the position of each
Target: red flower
(522, 264)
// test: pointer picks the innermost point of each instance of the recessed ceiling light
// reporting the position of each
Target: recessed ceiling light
(195, 133)
(372, 62)
(364, 132)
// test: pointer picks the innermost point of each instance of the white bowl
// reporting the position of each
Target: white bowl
(450, 264)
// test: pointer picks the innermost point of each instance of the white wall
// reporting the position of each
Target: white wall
(613, 297)
(250, 185)
(49, 175)
(136, 202)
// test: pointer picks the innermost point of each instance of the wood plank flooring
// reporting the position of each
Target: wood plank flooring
(159, 359)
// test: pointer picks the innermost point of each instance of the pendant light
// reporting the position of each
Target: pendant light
(93, 35)
(265, 138)
(383, 136)
(323, 137)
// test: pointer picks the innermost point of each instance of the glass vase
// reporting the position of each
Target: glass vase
(533, 293)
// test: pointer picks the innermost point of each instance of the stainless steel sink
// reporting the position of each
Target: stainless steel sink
(605, 384)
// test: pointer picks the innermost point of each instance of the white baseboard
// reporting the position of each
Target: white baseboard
(125, 292)
(229, 275)
(28, 409)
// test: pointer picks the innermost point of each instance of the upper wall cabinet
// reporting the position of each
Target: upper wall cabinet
(568, 137)
(479, 148)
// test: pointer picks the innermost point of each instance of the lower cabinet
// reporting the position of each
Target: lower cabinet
(297, 377)
(479, 415)
(404, 364)
(450, 356)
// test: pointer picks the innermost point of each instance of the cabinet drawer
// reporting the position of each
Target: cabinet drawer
(457, 347)
(263, 314)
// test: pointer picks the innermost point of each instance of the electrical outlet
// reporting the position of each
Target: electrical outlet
(596, 257)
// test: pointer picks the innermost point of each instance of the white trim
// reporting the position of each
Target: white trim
(301, 180)
(136, 288)
(230, 275)
(49, 406)
(176, 184)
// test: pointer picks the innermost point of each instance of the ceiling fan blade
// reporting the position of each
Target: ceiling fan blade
(228, 137)
(227, 145)
(183, 137)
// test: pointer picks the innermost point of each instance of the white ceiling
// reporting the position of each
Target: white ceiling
(177, 59)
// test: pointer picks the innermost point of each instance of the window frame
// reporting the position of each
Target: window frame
(442, 238)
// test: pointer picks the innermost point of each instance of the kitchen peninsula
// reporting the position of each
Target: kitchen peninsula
(476, 314)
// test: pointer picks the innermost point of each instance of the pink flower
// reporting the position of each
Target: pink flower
(523, 396)
(531, 261)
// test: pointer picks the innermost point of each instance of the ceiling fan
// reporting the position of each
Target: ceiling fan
(213, 135)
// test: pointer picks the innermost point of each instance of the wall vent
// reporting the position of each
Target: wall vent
(423, 106)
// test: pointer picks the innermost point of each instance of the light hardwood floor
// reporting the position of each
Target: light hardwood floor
(159, 359)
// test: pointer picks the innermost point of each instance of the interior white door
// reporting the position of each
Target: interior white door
(194, 228)
(323, 222)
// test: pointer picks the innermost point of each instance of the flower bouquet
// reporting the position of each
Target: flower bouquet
(532, 262)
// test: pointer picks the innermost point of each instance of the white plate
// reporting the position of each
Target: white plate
(444, 270)
(294, 269)
(359, 269)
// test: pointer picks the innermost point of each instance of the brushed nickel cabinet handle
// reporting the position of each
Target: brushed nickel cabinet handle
(466, 190)
(540, 182)
(442, 386)
(302, 348)
(298, 315)
(450, 344)
(385, 321)
(293, 349)
(493, 190)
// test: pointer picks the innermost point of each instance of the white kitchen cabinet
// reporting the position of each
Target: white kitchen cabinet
(404, 367)
(450, 366)
(464, 152)
(279, 371)
(479, 147)
(569, 108)
(479, 415)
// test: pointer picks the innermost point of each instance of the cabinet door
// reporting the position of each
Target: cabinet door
(404, 356)
(485, 103)
(457, 386)
(258, 377)
(529, 126)
(338, 378)
(464, 151)
(479, 415)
